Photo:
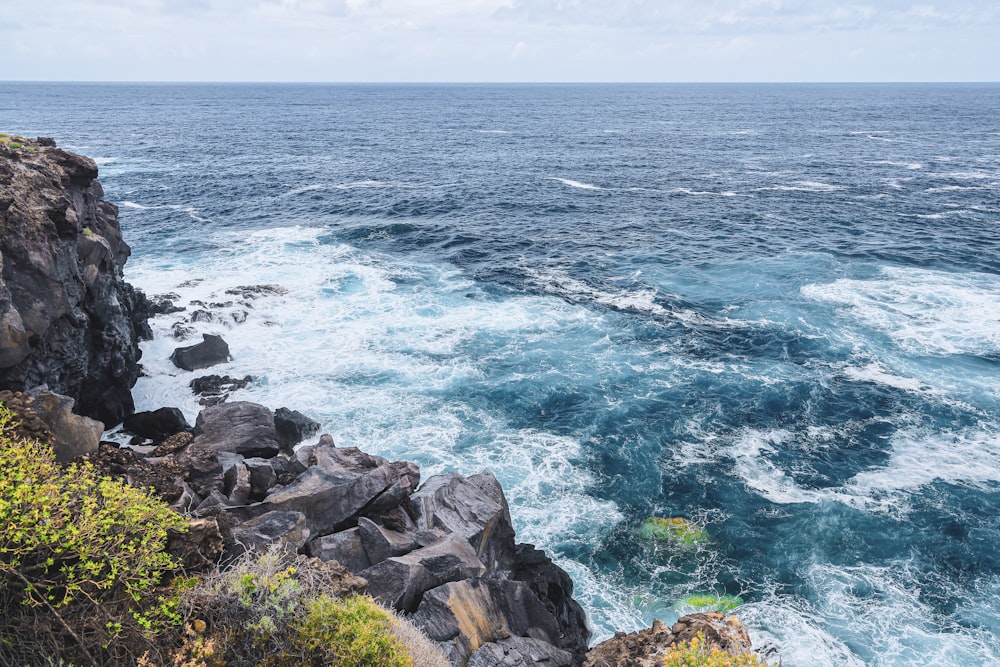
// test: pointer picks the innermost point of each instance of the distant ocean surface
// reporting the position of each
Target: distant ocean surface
(773, 310)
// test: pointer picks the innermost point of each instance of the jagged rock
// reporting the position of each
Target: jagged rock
(262, 477)
(210, 351)
(216, 389)
(213, 504)
(519, 652)
(329, 499)
(288, 527)
(293, 427)
(198, 547)
(201, 469)
(402, 580)
(163, 304)
(251, 292)
(72, 435)
(344, 547)
(241, 427)
(236, 484)
(182, 331)
(643, 648)
(468, 614)
(67, 318)
(473, 507)
(157, 425)
(554, 589)
(387, 504)
(381, 543)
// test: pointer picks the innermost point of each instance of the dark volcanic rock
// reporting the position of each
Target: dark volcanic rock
(212, 350)
(240, 427)
(293, 427)
(216, 389)
(344, 547)
(473, 507)
(555, 590)
(157, 425)
(67, 318)
(286, 527)
(519, 652)
(467, 614)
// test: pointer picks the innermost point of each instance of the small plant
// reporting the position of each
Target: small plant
(696, 653)
(675, 530)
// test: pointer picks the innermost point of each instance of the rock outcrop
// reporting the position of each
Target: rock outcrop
(68, 320)
(442, 552)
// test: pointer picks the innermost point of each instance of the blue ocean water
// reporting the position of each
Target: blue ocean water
(773, 310)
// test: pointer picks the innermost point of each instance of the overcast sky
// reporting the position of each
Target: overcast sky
(500, 40)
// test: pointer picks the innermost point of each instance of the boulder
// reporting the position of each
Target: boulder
(293, 427)
(218, 385)
(157, 425)
(344, 547)
(381, 543)
(401, 581)
(72, 435)
(241, 427)
(262, 477)
(330, 500)
(519, 652)
(468, 614)
(236, 484)
(473, 507)
(287, 527)
(210, 351)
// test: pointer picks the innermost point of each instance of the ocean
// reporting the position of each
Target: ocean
(771, 310)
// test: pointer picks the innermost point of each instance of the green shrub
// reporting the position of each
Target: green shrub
(696, 653)
(81, 557)
(275, 608)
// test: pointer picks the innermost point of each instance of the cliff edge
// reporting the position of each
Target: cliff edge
(67, 317)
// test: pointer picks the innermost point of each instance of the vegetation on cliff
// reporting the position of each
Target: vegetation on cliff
(81, 558)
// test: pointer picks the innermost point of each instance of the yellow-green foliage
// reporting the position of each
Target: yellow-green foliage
(72, 540)
(697, 654)
(277, 609)
(350, 631)
(676, 530)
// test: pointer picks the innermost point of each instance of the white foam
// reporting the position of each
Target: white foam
(905, 165)
(942, 214)
(574, 184)
(686, 191)
(305, 188)
(132, 204)
(805, 186)
(922, 311)
(493, 131)
(560, 284)
(101, 161)
(876, 373)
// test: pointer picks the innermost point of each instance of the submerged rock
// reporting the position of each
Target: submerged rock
(157, 425)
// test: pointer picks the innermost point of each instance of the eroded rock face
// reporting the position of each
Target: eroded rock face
(68, 320)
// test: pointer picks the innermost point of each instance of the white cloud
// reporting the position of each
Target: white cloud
(519, 40)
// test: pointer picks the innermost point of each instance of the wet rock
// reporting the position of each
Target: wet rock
(473, 507)
(468, 614)
(240, 427)
(72, 434)
(401, 581)
(157, 425)
(217, 388)
(212, 350)
(293, 427)
(163, 304)
(182, 331)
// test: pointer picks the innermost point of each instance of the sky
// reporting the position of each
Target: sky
(500, 40)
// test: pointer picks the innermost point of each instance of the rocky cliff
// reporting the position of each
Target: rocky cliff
(67, 318)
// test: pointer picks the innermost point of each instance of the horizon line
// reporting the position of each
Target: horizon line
(492, 82)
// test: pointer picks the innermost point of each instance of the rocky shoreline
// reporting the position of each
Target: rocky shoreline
(443, 552)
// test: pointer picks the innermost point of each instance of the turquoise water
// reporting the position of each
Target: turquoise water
(772, 310)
